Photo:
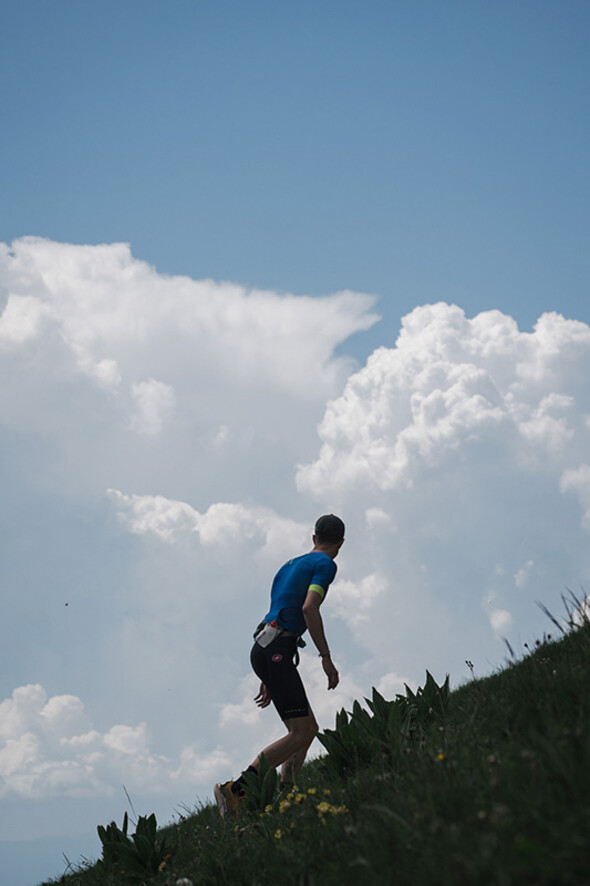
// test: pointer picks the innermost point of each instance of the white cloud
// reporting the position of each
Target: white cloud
(577, 480)
(107, 305)
(202, 768)
(377, 517)
(500, 620)
(451, 455)
(544, 428)
(243, 713)
(522, 576)
(154, 404)
(464, 435)
(127, 739)
(221, 524)
(199, 384)
(451, 383)
(446, 455)
(352, 601)
(154, 513)
(18, 712)
(22, 319)
(64, 711)
(17, 755)
(40, 757)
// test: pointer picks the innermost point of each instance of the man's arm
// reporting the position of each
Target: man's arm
(315, 626)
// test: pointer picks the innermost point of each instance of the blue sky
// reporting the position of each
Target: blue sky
(417, 151)
(296, 186)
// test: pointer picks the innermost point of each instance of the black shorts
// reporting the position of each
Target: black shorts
(276, 668)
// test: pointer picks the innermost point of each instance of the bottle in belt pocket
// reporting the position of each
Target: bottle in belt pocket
(267, 634)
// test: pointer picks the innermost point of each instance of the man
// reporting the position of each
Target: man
(297, 592)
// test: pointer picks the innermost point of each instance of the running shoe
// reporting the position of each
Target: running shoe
(227, 801)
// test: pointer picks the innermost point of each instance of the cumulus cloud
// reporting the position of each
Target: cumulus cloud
(42, 753)
(22, 319)
(154, 404)
(461, 446)
(104, 304)
(155, 513)
(353, 600)
(180, 379)
(222, 423)
(243, 713)
(198, 768)
(45, 751)
(221, 523)
(449, 384)
(450, 455)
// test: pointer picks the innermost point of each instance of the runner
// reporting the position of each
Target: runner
(297, 592)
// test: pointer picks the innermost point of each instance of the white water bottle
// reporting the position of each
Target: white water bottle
(268, 633)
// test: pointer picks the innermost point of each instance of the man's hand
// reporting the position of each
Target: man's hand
(331, 672)
(263, 698)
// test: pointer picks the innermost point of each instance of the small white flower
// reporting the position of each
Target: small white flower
(184, 881)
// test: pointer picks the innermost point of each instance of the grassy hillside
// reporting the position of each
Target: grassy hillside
(489, 784)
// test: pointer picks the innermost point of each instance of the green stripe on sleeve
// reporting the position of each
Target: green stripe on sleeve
(318, 589)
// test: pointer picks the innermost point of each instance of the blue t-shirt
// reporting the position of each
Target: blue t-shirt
(314, 571)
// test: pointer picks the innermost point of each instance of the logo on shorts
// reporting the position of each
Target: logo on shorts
(277, 657)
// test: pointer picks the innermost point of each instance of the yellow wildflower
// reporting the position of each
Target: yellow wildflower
(311, 791)
(440, 756)
(268, 808)
(284, 804)
(278, 834)
(164, 862)
(325, 808)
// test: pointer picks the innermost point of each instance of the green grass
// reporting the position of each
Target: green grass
(492, 788)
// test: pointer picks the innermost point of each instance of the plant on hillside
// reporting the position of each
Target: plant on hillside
(260, 787)
(137, 857)
(359, 736)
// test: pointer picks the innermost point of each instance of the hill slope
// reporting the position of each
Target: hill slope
(489, 784)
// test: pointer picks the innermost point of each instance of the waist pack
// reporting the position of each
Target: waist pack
(265, 633)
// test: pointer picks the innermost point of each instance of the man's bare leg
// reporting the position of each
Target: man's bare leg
(292, 767)
(295, 744)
